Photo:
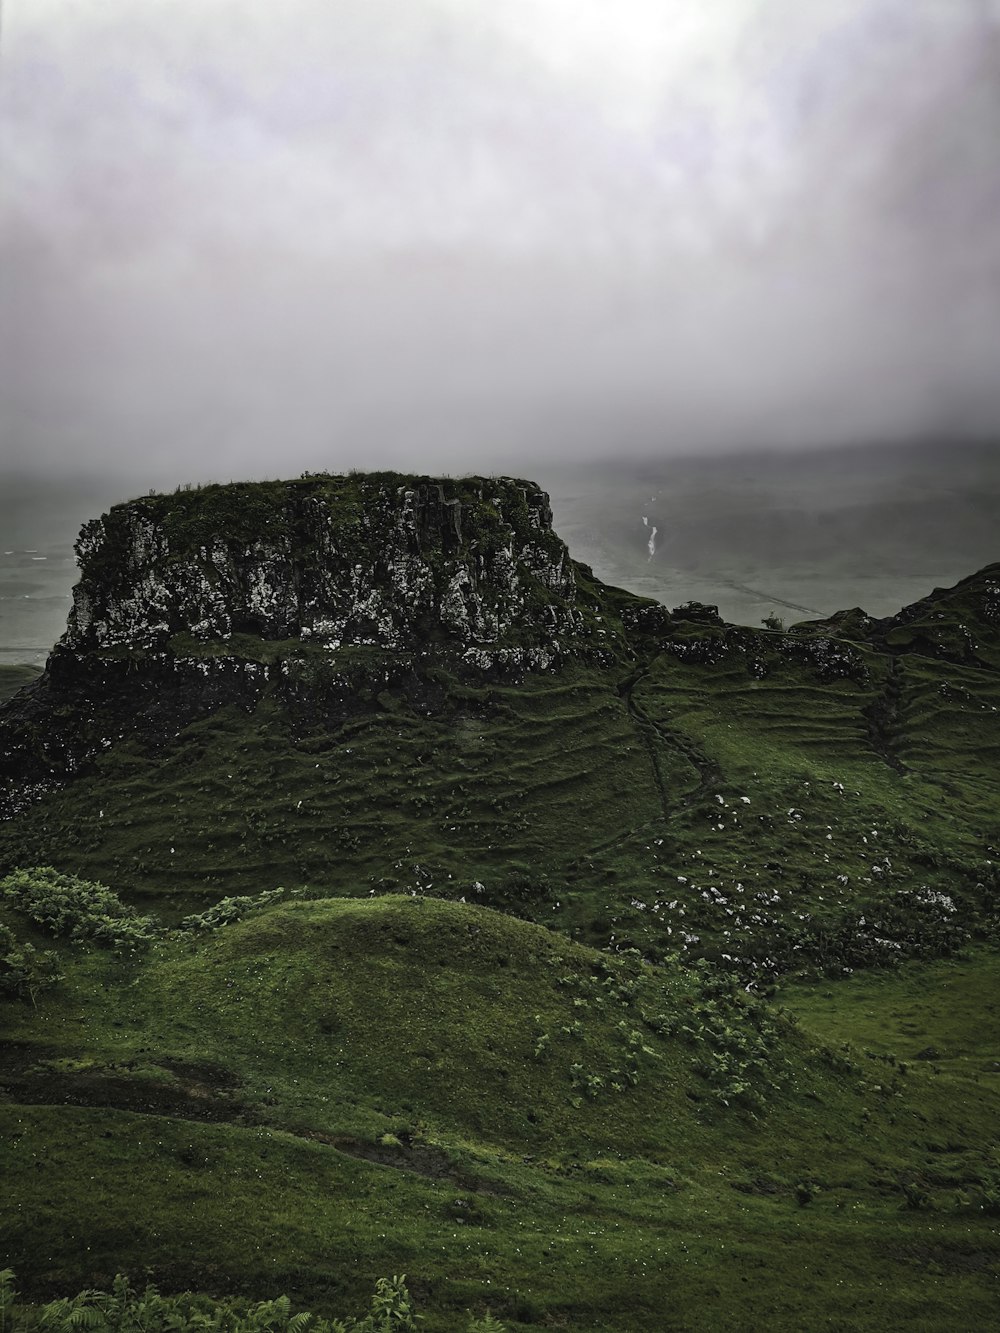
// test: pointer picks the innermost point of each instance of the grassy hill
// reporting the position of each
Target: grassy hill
(640, 978)
(328, 1090)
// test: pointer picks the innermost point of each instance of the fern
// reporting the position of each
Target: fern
(486, 1325)
(125, 1310)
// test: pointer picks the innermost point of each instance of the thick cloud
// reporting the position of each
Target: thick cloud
(246, 238)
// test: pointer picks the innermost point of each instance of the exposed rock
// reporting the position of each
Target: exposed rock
(699, 612)
(392, 563)
(958, 624)
(327, 590)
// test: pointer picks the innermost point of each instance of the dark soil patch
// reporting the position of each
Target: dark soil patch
(204, 1094)
(118, 1092)
(423, 1159)
(17, 1056)
(203, 1073)
(952, 1260)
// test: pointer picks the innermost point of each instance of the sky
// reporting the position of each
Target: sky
(246, 238)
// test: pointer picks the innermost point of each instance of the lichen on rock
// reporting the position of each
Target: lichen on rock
(385, 561)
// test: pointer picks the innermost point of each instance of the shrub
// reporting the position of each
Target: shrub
(77, 909)
(486, 1325)
(229, 910)
(24, 970)
(738, 1039)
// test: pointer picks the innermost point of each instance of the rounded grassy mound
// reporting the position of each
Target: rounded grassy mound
(448, 1019)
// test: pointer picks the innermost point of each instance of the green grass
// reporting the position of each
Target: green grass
(500, 777)
(605, 797)
(945, 1013)
(330, 1091)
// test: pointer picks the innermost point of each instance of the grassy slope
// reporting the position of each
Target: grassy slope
(499, 777)
(239, 1086)
(822, 806)
(662, 802)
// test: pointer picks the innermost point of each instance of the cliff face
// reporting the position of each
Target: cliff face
(324, 591)
(398, 563)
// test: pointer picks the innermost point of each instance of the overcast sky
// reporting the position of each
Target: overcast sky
(247, 237)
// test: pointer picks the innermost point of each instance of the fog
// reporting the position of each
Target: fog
(248, 238)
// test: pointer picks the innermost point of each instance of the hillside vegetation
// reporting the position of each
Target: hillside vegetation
(762, 795)
(327, 1090)
(631, 971)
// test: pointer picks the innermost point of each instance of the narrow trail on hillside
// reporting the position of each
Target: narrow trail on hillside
(651, 731)
(211, 1103)
(882, 717)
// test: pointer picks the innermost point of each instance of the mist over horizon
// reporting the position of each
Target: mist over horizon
(247, 240)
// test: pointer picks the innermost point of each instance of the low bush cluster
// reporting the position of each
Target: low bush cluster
(124, 1309)
(77, 909)
(229, 910)
(24, 970)
(738, 1038)
(886, 930)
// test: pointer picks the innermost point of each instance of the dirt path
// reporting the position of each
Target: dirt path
(651, 731)
(201, 1092)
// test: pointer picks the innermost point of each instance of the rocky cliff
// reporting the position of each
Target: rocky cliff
(329, 596)
(325, 589)
(392, 562)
